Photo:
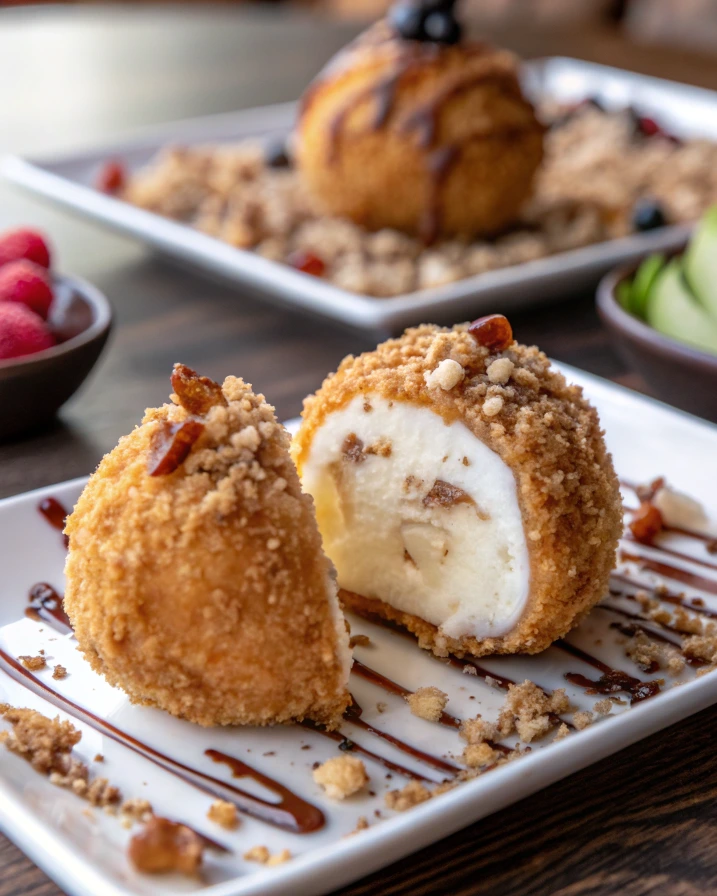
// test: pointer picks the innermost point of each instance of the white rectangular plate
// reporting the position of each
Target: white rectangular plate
(686, 111)
(86, 855)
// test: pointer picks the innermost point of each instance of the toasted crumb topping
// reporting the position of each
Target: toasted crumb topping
(45, 743)
(59, 672)
(563, 731)
(478, 730)
(582, 719)
(479, 755)
(527, 710)
(446, 375)
(262, 855)
(136, 809)
(224, 814)
(407, 797)
(33, 663)
(341, 776)
(603, 707)
(427, 703)
(701, 647)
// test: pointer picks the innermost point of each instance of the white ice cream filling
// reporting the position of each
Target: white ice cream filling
(421, 514)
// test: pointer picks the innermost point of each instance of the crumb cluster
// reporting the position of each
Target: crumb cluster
(427, 703)
(262, 855)
(163, 846)
(341, 776)
(224, 814)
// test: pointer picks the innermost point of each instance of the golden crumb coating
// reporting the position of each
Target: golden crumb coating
(543, 429)
(205, 591)
(425, 138)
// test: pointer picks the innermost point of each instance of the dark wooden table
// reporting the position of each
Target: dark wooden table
(641, 822)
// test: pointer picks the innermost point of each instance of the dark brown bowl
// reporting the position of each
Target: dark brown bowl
(677, 373)
(34, 388)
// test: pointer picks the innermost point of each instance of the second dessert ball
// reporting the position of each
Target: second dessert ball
(427, 138)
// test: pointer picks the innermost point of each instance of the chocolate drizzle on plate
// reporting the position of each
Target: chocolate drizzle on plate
(611, 681)
(46, 605)
(55, 514)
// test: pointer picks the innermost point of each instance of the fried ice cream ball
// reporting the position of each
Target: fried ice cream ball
(430, 139)
(463, 489)
(196, 581)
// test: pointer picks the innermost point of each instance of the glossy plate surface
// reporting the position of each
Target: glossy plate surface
(84, 851)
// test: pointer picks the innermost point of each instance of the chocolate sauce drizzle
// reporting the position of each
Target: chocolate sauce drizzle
(291, 813)
(671, 552)
(55, 514)
(46, 605)
(672, 572)
(611, 681)
(663, 594)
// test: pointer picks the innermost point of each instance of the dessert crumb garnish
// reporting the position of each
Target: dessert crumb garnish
(701, 647)
(381, 706)
(479, 755)
(33, 663)
(500, 370)
(99, 758)
(136, 809)
(359, 641)
(163, 846)
(382, 447)
(262, 855)
(341, 776)
(582, 719)
(562, 732)
(529, 711)
(59, 672)
(361, 825)
(469, 670)
(427, 703)
(47, 745)
(646, 523)
(446, 375)
(603, 707)
(224, 814)
(407, 797)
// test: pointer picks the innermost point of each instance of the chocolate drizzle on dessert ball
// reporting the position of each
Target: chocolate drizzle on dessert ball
(411, 129)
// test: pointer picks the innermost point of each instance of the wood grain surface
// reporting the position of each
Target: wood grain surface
(639, 823)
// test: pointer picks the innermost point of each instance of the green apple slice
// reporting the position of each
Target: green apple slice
(643, 282)
(700, 263)
(673, 310)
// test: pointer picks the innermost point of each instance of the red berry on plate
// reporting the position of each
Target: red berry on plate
(112, 177)
(307, 263)
(26, 283)
(22, 332)
(24, 243)
(648, 126)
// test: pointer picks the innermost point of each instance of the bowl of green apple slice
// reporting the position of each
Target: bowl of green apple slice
(663, 315)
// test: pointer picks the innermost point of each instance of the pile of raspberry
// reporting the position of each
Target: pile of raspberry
(26, 294)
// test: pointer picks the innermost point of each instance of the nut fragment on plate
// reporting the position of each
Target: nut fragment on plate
(341, 776)
(262, 855)
(407, 797)
(163, 846)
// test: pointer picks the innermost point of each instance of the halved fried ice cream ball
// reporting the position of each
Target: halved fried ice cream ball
(196, 581)
(463, 489)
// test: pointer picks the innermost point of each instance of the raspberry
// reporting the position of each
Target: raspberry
(307, 263)
(29, 244)
(27, 283)
(112, 177)
(22, 332)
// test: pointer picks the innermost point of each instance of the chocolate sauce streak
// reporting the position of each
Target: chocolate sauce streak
(350, 747)
(46, 605)
(291, 813)
(312, 818)
(611, 681)
(681, 555)
(353, 715)
(673, 572)
(393, 687)
(668, 597)
(55, 514)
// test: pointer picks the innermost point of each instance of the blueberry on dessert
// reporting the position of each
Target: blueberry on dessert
(462, 488)
(648, 214)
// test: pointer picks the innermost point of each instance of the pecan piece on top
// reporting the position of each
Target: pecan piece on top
(646, 522)
(197, 394)
(171, 445)
(163, 845)
(492, 331)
